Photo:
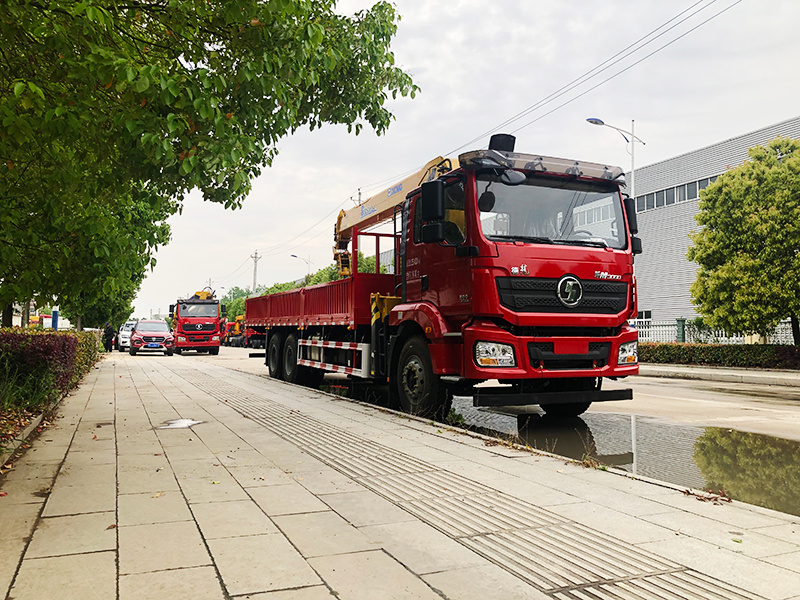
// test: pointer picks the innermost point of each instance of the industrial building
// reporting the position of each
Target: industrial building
(666, 204)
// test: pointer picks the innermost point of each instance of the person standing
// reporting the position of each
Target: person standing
(108, 336)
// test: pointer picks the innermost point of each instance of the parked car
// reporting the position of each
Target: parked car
(124, 336)
(152, 336)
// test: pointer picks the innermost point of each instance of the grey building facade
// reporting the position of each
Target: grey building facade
(666, 204)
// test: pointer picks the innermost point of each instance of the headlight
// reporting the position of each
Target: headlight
(181, 338)
(628, 353)
(214, 338)
(493, 354)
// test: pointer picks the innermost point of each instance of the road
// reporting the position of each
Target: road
(768, 410)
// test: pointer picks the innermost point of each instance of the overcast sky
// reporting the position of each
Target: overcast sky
(480, 64)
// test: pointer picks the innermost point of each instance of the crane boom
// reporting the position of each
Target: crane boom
(379, 208)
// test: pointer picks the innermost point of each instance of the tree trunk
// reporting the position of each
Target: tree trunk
(79, 324)
(795, 330)
(8, 315)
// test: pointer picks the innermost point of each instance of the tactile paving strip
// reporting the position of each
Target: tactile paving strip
(562, 558)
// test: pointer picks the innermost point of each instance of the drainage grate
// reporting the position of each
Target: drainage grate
(564, 559)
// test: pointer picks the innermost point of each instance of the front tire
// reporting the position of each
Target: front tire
(418, 388)
(132, 352)
(168, 352)
(213, 351)
(275, 356)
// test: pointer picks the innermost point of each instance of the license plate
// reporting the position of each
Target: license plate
(153, 345)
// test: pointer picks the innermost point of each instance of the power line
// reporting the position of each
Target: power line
(591, 73)
(594, 87)
(631, 49)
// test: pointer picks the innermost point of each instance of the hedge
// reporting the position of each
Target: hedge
(37, 367)
(760, 356)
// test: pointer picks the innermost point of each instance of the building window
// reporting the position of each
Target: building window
(670, 196)
(660, 198)
(644, 314)
(702, 184)
(640, 204)
(681, 193)
(691, 190)
(650, 201)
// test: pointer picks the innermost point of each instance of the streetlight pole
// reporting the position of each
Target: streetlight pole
(632, 141)
(307, 261)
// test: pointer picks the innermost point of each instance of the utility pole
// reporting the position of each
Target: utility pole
(255, 258)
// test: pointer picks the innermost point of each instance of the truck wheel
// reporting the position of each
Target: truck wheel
(275, 356)
(419, 390)
(178, 351)
(290, 367)
(565, 411)
(213, 351)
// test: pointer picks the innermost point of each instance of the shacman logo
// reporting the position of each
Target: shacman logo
(606, 275)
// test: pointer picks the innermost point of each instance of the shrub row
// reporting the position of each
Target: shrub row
(722, 355)
(39, 367)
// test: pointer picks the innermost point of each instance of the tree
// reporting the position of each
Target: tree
(103, 102)
(748, 250)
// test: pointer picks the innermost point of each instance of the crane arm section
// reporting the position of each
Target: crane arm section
(379, 208)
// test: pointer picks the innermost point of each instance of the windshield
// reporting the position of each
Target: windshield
(199, 310)
(155, 326)
(546, 210)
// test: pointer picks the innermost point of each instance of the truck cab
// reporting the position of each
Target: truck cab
(518, 269)
(197, 323)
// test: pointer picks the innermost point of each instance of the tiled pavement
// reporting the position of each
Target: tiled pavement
(284, 493)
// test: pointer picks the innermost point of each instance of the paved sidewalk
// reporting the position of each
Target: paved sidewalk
(281, 493)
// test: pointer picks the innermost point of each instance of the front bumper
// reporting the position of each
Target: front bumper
(549, 357)
(190, 341)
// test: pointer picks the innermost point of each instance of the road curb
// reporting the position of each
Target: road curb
(7, 452)
(720, 374)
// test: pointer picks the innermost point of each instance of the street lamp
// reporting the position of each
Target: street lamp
(307, 261)
(632, 141)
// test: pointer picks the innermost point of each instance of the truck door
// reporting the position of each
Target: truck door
(433, 271)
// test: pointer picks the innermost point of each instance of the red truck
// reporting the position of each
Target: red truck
(513, 284)
(197, 323)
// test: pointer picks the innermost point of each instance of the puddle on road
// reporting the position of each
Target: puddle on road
(179, 424)
(749, 467)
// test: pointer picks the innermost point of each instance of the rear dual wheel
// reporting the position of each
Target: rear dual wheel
(275, 356)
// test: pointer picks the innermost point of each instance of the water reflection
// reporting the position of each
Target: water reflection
(749, 467)
(572, 438)
(753, 468)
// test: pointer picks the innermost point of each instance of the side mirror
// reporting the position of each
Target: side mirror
(512, 177)
(630, 213)
(223, 310)
(636, 245)
(171, 310)
(433, 233)
(431, 203)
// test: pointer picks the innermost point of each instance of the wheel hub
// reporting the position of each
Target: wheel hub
(413, 378)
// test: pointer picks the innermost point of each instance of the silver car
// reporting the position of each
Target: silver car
(124, 336)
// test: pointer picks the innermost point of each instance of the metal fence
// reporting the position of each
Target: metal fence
(668, 331)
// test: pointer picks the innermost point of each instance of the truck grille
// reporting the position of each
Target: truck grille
(190, 327)
(528, 294)
(542, 356)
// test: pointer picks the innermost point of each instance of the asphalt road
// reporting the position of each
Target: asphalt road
(768, 410)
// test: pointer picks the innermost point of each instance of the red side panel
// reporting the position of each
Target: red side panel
(343, 302)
